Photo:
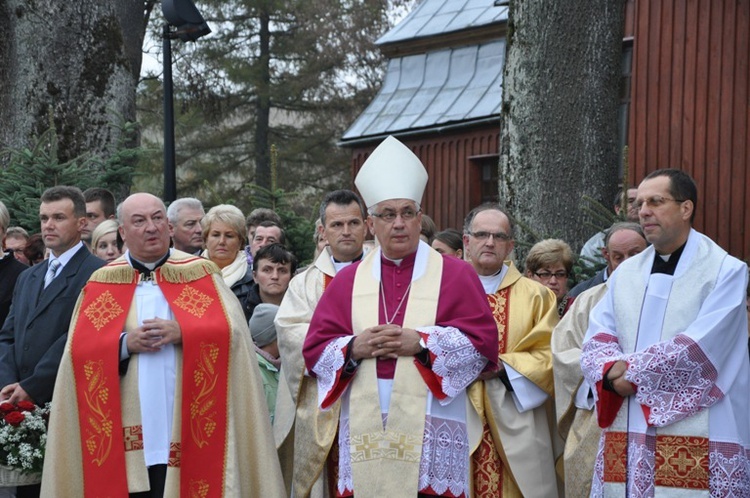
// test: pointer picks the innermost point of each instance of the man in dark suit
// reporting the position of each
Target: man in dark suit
(623, 240)
(33, 335)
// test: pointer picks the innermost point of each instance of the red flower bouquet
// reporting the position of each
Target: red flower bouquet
(23, 437)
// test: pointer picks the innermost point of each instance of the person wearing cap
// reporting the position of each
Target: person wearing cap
(342, 217)
(398, 337)
(263, 332)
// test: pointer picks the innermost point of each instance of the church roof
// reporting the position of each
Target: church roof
(455, 85)
(435, 17)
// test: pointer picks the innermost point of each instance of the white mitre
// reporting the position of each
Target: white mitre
(391, 172)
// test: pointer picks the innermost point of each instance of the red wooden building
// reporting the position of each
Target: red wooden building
(689, 106)
(685, 103)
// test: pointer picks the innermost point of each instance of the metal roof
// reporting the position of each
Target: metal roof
(451, 85)
(436, 17)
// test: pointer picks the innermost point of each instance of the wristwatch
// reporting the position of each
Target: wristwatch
(423, 356)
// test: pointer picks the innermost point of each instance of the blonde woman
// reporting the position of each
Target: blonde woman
(104, 241)
(224, 236)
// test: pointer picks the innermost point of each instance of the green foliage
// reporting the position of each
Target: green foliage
(295, 74)
(583, 267)
(299, 232)
(602, 216)
(28, 172)
(299, 229)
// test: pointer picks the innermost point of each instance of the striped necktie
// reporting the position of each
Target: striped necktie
(54, 265)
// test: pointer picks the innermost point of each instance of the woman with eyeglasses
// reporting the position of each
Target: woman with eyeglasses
(550, 262)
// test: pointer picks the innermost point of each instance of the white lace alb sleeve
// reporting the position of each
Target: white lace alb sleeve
(330, 362)
(457, 362)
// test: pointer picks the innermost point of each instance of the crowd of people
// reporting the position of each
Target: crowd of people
(186, 354)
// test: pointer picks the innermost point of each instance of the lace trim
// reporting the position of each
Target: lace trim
(597, 351)
(729, 465)
(345, 483)
(444, 464)
(597, 484)
(675, 379)
(457, 361)
(641, 475)
(329, 363)
(445, 457)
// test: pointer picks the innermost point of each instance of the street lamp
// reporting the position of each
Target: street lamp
(186, 23)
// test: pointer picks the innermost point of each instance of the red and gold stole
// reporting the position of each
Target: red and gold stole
(327, 279)
(487, 466)
(193, 298)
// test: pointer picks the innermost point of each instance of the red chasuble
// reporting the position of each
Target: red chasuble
(198, 309)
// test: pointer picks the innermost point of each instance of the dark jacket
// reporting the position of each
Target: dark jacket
(242, 289)
(10, 269)
(587, 284)
(33, 337)
(253, 300)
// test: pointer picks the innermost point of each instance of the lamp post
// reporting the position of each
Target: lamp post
(186, 23)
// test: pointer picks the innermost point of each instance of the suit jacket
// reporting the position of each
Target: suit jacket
(588, 284)
(33, 336)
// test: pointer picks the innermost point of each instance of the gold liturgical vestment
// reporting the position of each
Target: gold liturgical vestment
(578, 427)
(523, 463)
(250, 466)
(303, 433)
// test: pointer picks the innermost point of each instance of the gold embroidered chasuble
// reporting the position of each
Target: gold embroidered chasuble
(515, 457)
(578, 427)
(304, 434)
(385, 460)
(250, 464)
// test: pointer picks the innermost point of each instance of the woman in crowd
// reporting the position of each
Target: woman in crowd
(35, 251)
(104, 241)
(550, 262)
(427, 232)
(224, 236)
(449, 242)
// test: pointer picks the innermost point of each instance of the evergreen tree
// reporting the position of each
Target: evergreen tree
(30, 171)
(294, 74)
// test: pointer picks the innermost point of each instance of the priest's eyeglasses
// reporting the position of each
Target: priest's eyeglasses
(654, 202)
(486, 235)
(390, 216)
(547, 275)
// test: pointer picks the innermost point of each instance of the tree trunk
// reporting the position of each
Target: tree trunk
(75, 64)
(560, 102)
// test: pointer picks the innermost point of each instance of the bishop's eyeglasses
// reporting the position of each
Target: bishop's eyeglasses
(390, 216)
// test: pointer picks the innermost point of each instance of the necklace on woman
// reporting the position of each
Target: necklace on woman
(388, 321)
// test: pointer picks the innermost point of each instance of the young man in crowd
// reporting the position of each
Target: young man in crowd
(100, 206)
